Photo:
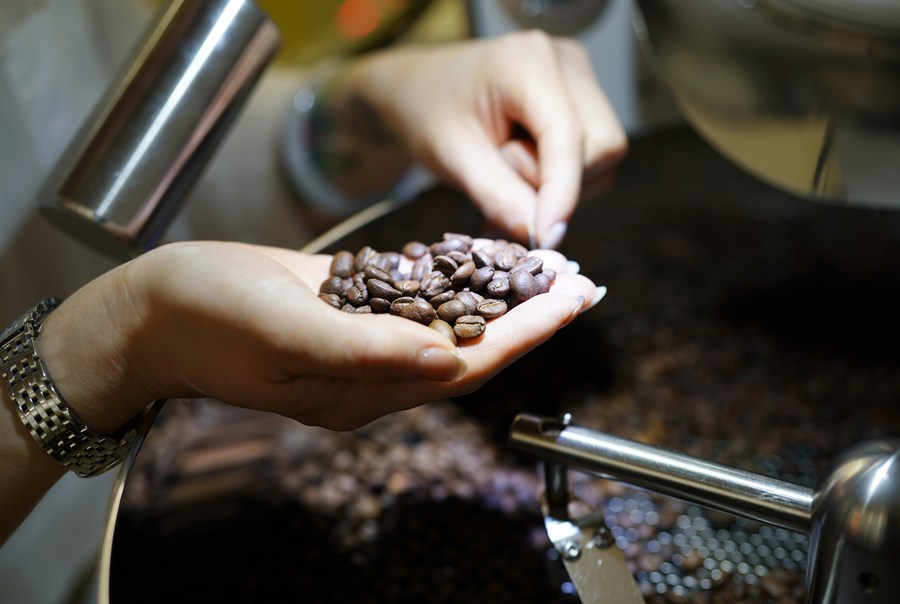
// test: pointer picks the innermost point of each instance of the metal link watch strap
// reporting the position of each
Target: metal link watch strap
(42, 408)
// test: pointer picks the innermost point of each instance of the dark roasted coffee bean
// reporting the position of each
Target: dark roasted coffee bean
(380, 289)
(392, 259)
(469, 326)
(452, 310)
(481, 277)
(342, 264)
(414, 250)
(519, 250)
(444, 328)
(332, 300)
(498, 288)
(407, 287)
(419, 311)
(470, 300)
(364, 257)
(466, 239)
(445, 264)
(380, 305)
(358, 280)
(532, 264)
(373, 272)
(434, 284)
(482, 258)
(442, 297)
(357, 296)
(454, 244)
(382, 262)
(491, 309)
(522, 285)
(459, 258)
(332, 285)
(422, 268)
(505, 259)
(463, 273)
(398, 304)
(543, 283)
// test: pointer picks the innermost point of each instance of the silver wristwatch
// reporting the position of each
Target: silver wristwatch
(42, 408)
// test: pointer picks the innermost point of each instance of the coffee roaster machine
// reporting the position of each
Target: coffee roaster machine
(801, 93)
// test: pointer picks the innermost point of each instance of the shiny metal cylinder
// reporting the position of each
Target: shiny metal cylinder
(713, 485)
(124, 176)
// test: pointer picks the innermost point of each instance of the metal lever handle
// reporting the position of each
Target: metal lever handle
(713, 485)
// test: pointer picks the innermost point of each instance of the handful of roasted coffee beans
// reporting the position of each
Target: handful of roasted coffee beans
(448, 285)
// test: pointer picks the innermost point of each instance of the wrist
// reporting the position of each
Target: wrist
(87, 348)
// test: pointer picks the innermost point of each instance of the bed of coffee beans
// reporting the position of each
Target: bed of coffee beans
(448, 285)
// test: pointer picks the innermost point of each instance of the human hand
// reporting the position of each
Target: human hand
(460, 109)
(244, 324)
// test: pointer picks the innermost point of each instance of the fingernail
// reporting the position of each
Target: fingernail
(554, 236)
(579, 307)
(572, 267)
(601, 292)
(441, 364)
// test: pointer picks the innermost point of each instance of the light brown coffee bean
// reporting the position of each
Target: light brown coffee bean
(414, 250)
(491, 309)
(419, 311)
(469, 326)
(452, 310)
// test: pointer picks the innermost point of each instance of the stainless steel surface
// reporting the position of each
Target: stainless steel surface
(855, 546)
(853, 518)
(127, 171)
(594, 562)
(713, 485)
(804, 94)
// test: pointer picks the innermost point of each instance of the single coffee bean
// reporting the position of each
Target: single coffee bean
(383, 262)
(469, 326)
(491, 309)
(414, 250)
(373, 272)
(542, 281)
(398, 304)
(444, 328)
(505, 259)
(332, 300)
(532, 264)
(364, 257)
(380, 305)
(445, 264)
(407, 287)
(419, 311)
(332, 285)
(522, 285)
(498, 287)
(452, 310)
(362, 310)
(454, 244)
(463, 273)
(481, 258)
(551, 274)
(442, 297)
(519, 250)
(470, 300)
(392, 259)
(342, 264)
(481, 277)
(357, 296)
(380, 289)
(459, 257)
(434, 284)
(466, 239)
(422, 268)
